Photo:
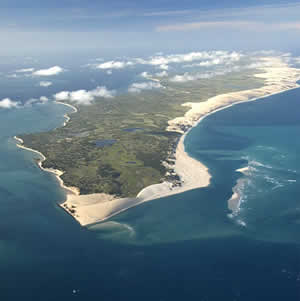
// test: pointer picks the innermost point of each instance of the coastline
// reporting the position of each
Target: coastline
(94, 208)
(75, 110)
(56, 172)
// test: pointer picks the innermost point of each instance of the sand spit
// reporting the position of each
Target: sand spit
(90, 209)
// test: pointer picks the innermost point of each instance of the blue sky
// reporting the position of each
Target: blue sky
(74, 25)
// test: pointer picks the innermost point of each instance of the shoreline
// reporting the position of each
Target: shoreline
(75, 110)
(58, 173)
(95, 208)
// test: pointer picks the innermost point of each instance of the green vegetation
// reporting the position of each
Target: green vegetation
(134, 160)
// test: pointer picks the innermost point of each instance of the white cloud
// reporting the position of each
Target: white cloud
(208, 57)
(218, 58)
(145, 75)
(26, 70)
(189, 77)
(84, 97)
(63, 95)
(44, 99)
(196, 76)
(31, 101)
(7, 103)
(210, 63)
(183, 78)
(138, 87)
(162, 74)
(164, 67)
(48, 72)
(162, 62)
(114, 65)
(45, 83)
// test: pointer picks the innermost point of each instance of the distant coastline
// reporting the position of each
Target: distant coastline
(90, 209)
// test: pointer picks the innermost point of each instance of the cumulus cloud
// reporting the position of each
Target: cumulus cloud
(114, 65)
(48, 72)
(63, 95)
(7, 103)
(138, 87)
(162, 62)
(84, 97)
(145, 75)
(199, 75)
(190, 77)
(205, 58)
(45, 83)
(26, 70)
(31, 101)
(44, 99)
(183, 78)
(164, 67)
(219, 58)
(162, 74)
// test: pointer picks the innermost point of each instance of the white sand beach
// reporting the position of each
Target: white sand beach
(67, 117)
(89, 209)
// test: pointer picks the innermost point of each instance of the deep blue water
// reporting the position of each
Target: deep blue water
(184, 247)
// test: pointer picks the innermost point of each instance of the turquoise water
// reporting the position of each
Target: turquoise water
(185, 247)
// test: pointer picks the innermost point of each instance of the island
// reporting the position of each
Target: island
(120, 152)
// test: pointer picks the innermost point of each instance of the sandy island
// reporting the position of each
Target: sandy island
(93, 208)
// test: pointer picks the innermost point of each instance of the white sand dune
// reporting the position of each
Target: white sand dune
(89, 209)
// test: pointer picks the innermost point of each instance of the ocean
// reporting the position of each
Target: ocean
(185, 247)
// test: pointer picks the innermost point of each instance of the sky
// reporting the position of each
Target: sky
(128, 26)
